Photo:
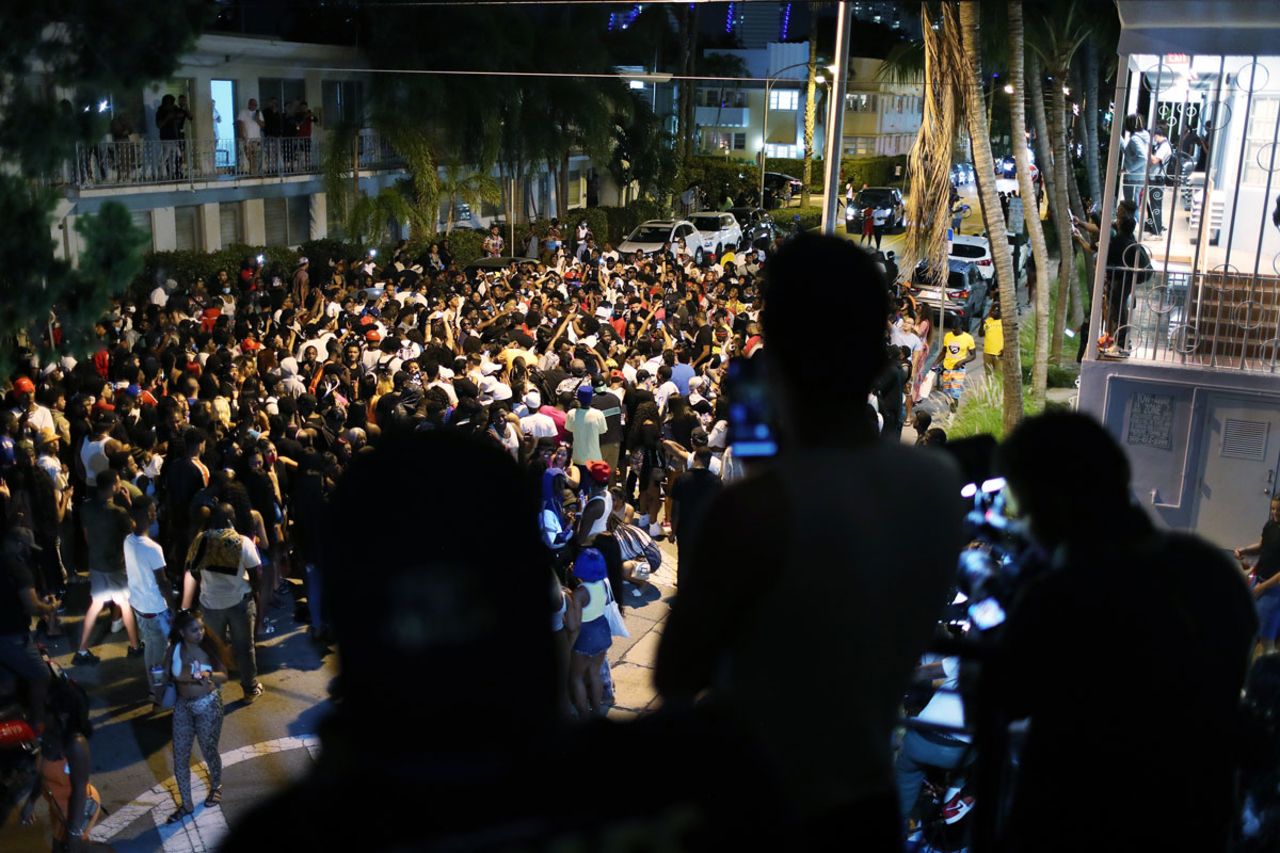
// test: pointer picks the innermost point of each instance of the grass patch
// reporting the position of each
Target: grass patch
(1062, 375)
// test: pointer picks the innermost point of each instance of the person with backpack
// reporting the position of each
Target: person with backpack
(196, 667)
(63, 769)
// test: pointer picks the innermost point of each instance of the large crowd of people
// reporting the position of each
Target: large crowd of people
(182, 475)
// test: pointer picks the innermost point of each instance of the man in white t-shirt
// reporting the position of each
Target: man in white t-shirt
(249, 132)
(149, 594)
(536, 424)
(225, 566)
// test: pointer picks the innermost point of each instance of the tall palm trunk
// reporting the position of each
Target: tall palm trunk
(810, 112)
(1031, 211)
(1062, 222)
(1089, 119)
(984, 165)
(1044, 155)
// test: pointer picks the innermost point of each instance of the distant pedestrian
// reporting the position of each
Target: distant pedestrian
(868, 225)
(879, 221)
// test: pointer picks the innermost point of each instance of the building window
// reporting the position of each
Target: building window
(575, 188)
(142, 221)
(1257, 139)
(287, 220)
(285, 91)
(725, 141)
(230, 227)
(860, 103)
(186, 222)
(343, 101)
(793, 152)
(859, 146)
(784, 99)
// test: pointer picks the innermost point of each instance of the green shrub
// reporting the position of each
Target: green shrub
(873, 171)
(330, 249)
(466, 245)
(597, 221)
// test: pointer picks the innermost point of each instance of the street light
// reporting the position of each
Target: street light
(1008, 88)
(764, 136)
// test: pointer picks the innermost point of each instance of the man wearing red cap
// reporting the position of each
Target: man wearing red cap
(33, 418)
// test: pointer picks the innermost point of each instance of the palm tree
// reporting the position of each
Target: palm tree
(1062, 27)
(642, 153)
(984, 166)
(1035, 229)
(474, 188)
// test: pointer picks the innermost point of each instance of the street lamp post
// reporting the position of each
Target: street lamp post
(764, 136)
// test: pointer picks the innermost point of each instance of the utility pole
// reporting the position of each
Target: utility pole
(835, 128)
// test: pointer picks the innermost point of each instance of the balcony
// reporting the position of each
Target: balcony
(156, 162)
(723, 116)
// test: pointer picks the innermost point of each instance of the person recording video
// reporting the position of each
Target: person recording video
(1127, 656)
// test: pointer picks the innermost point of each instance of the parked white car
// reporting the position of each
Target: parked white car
(648, 237)
(719, 231)
(975, 250)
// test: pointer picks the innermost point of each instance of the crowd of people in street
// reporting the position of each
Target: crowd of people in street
(179, 480)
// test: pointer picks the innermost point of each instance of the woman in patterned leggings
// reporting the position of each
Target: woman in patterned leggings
(197, 664)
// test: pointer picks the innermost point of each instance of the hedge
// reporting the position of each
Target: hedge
(874, 171)
(609, 224)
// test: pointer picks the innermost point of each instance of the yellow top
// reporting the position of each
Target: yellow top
(956, 348)
(993, 336)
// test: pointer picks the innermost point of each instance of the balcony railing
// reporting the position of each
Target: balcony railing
(1220, 319)
(114, 164)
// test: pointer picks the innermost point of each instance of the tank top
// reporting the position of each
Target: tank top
(598, 592)
(93, 455)
(601, 524)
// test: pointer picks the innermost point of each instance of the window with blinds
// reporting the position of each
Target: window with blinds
(230, 223)
(186, 221)
(299, 219)
(288, 220)
(276, 219)
(142, 221)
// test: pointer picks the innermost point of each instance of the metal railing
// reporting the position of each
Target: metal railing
(1221, 319)
(114, 164)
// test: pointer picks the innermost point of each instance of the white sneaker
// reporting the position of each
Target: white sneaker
(655, 530)
(117, 625)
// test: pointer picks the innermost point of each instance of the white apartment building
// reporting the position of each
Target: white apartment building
(208, 192)
(880, 118)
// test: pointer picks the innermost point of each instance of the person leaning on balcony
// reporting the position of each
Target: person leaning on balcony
(249, 132)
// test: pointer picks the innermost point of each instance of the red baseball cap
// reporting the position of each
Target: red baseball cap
(599, 471)
(24, 386)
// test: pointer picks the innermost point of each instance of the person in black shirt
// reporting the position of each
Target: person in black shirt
(1141, 710)
(1266, 577)
(18, 603)
(691, 494)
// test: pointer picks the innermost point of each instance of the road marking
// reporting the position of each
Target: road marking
(206, 830)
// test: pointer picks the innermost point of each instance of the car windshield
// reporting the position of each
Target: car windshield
(706, 223)
(650, 234)
(965, 250)
(874, 197)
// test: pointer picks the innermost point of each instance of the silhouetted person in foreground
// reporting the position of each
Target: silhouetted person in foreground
(1128, 656)
(810, 596)
(447, 734)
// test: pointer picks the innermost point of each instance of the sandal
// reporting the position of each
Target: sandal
(180, 815)
(214, 798)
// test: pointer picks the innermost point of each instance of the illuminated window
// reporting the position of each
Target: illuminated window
(784, 99)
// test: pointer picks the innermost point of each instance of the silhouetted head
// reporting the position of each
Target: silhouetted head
(1069, 476)
(441, 586)
(824, 314)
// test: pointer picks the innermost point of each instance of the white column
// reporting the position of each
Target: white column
(255, 222)
(831, 165)
(319, 216)
(164, 229)
(210, 227)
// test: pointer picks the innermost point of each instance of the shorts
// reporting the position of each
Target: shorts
(18, 654)
(109, 586)
(595, 638)
(1268, 605)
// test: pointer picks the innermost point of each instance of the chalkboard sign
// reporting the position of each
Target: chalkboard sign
(1017, 221)
(1151, 421)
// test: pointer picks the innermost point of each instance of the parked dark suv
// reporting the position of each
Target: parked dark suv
(967, 296)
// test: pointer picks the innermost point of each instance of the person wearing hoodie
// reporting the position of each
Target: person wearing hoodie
(1133, 156)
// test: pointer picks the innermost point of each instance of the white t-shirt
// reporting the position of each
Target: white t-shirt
(946, 708)
(142, 557)
(665, 390)
(219, 591)
(538, 425)
(249, 118)
(159, 296)
(38, 417)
